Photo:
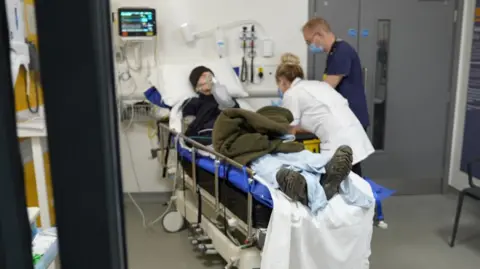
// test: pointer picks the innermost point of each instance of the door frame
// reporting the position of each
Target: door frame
(312, 6)
(455, 65)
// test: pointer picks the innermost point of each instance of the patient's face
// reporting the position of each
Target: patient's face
(204, 84)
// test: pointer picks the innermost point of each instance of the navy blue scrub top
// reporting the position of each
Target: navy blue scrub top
(344, 60)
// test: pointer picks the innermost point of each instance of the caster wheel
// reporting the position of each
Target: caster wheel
(173, 222)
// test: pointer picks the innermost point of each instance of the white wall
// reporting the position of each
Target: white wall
(281, 19)
(457, 178)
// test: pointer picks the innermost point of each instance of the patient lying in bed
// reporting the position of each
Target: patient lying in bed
(212, 98)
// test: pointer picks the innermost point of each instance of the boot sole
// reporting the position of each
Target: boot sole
(293, 184)
(337, 170)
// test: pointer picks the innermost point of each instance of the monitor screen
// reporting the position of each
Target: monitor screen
(136, 22)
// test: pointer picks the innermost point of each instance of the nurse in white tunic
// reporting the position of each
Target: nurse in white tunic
(319, 109)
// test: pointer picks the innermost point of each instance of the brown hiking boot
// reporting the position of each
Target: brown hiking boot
(337, 170)
(293, 184)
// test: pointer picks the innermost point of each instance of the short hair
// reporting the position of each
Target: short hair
(317, 22)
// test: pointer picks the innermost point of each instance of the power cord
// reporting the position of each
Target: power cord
(132, 163)
(124, 77)
(138, 58)
(173, 197)
(34, 66)
(145, 224)
(27, 96)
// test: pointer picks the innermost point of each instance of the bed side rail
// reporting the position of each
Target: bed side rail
(197, 145)
(218, 158)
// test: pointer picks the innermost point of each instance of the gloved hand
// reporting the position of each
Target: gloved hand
(277, 103)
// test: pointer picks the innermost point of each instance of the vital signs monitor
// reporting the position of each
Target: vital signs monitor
(136, 23)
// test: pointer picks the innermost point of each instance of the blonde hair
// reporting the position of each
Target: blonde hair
(289, 58)
(289, 68)
(315, 23)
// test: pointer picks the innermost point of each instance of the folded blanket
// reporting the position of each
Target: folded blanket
(244, 135)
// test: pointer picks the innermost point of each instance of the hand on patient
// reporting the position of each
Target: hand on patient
(297, 130)
(292, 130)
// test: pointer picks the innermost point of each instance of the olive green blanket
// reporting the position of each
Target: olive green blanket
(244, 135)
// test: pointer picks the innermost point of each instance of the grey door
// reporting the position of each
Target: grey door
(405, 48)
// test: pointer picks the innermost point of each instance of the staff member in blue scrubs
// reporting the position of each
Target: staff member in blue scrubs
(343, 70)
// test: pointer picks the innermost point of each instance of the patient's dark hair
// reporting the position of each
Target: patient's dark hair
(289, 68)
(197, 73)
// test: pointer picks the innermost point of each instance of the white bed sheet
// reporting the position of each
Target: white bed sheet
(339, 237)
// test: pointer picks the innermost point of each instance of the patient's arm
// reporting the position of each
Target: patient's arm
(301, 131)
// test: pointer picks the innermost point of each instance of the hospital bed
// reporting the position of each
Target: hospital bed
(226, 205)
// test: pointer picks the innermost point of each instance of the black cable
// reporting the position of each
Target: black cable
(244, 68)
(37, 96)
(167, 153)
(199, 197)
(252, 68)
(184, 189)
(34, 67)
(252, 71)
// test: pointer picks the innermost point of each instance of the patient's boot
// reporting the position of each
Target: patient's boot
(337, 170)
(293, 184)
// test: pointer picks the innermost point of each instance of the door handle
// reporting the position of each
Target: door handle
(365, 77)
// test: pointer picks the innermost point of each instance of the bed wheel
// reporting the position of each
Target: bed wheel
(173, 222)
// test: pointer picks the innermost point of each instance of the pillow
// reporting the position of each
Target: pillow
(225, 74)
(176, 86)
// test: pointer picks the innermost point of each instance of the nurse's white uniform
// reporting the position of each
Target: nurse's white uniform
(338, 237)
(321, 110)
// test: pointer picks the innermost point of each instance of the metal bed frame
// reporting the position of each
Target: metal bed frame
(206, 222)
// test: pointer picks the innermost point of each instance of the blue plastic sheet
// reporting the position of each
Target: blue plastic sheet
(154, 97)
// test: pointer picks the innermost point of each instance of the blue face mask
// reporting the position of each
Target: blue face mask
(313, 48)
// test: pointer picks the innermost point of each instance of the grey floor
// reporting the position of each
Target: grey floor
(419, 227)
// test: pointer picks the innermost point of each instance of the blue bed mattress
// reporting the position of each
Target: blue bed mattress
(260, 192)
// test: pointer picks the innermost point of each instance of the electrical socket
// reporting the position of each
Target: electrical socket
(268, 73)
(268, 79)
